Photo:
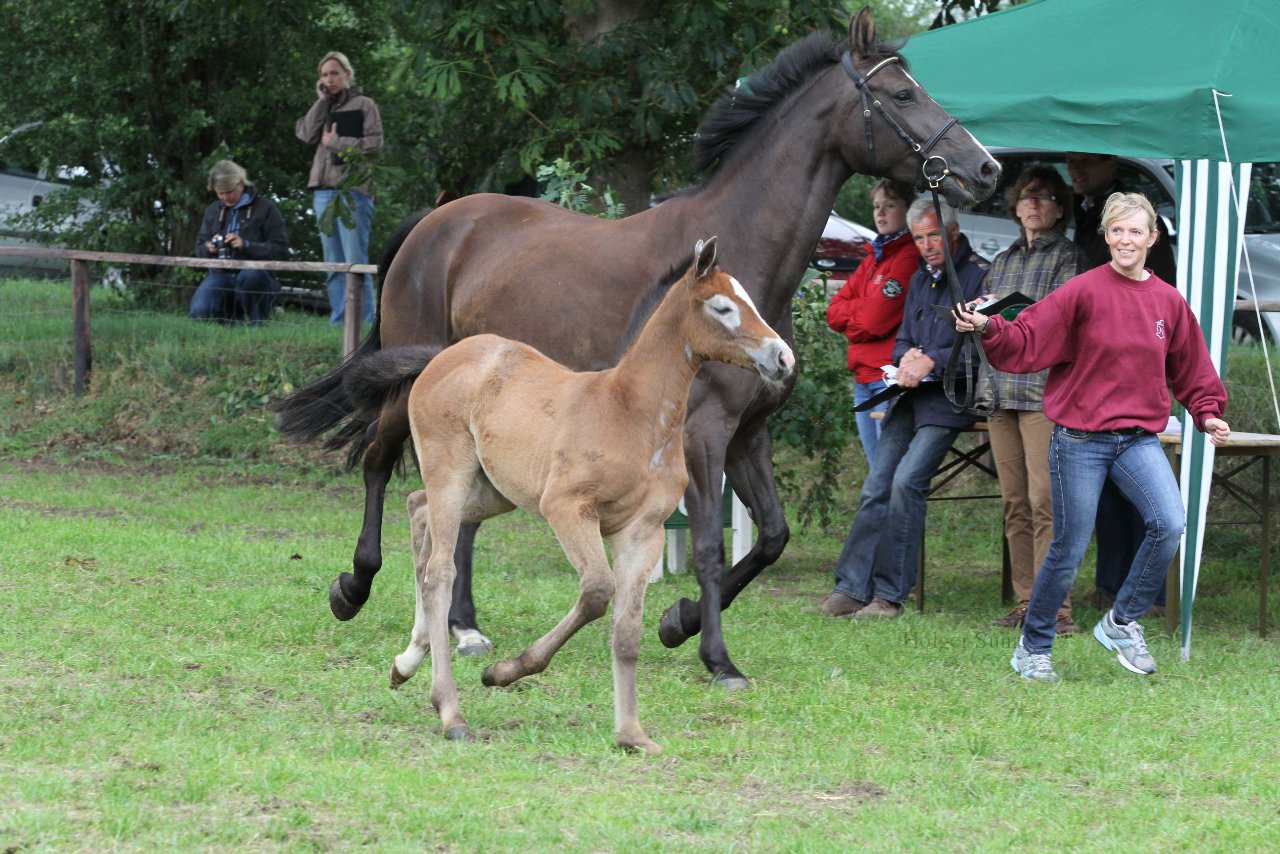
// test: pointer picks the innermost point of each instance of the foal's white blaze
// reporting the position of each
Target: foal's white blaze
(725, 310)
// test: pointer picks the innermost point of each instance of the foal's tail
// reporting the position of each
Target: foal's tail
(309, 413)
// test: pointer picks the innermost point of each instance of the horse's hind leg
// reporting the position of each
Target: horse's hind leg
(635, 552)
(351, 589)
(406, 664)
(580, 538)
(462, 611)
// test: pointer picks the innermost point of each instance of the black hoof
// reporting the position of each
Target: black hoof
(486, 678)
(670, 628)
(458, 733)
(345, 603)
(731, 682)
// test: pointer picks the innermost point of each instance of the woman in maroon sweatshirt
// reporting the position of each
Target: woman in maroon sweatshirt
(1114, 339)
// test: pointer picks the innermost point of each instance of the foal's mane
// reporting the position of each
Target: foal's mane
(732, 117)
(647, 303)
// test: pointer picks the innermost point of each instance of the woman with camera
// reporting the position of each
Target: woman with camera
(345, 126)
(239, 226)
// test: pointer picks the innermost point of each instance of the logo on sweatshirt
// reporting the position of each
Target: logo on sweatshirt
(1160, 329)
(892, 289)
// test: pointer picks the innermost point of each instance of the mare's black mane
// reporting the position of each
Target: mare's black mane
(736, 113)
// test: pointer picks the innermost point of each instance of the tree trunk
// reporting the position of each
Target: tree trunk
(629, 174)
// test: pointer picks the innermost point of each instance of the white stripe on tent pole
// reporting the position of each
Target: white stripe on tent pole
(1207, 262)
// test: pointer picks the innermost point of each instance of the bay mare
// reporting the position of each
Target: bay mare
(775, 153)
(496, 425)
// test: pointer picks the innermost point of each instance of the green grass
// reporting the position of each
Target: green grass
(171, 678)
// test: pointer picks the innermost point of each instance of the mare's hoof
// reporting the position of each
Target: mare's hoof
(341, 603)
(731, 682)
(472, 642)
(458, 733)
(486, 678)
(397, 678)
(670, 629)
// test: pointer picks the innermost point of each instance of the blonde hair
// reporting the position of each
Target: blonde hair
(225, 176)
(341, 59)
(1123, 205)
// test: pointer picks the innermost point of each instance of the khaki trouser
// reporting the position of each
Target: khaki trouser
(1020, 447)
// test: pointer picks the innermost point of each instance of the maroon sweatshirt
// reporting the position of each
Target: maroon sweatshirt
(1113, 348)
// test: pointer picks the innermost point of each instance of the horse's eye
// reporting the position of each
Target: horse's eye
(904, 97)
(723, 309)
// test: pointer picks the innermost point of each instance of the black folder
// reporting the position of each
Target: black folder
(1014, 303)
(348, 122)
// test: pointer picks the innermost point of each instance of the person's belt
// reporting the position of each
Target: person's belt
(1128, 431)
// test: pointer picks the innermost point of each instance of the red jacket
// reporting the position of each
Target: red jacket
(868, 309)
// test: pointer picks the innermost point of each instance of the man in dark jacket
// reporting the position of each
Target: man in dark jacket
(240, 225)
(877, 568)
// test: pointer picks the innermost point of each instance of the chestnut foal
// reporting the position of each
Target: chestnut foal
(497, 425)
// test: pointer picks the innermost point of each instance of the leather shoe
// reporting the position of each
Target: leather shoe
(838, 604)
(1065, 625)
(1013, 619)
(879, 608)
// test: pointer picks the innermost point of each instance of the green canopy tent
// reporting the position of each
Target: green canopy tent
(1184, 79)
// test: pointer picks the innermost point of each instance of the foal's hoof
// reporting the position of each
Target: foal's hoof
(397, 678)
(345, 604)
(731, 682)
(670, 629)
(486, 678)
(458, 733)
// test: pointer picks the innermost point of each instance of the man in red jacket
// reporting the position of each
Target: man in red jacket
(868, 309)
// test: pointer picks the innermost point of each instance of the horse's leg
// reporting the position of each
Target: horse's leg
(749, 467)
(580, 538)
(351, 590)
(462, 611)
(435, 587)
(704, 501)
(635, 553)
(407, 663)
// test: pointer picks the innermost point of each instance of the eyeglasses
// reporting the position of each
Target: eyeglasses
(1038, 199)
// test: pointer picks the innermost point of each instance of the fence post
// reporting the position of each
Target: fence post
(83, 350)
(353, 313)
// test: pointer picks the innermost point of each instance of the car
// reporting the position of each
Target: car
(991, 231)
(22, 188)
(843, 245)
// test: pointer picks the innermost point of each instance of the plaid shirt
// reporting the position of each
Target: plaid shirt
(1036, 270)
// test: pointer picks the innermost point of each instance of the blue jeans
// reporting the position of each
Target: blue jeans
(247, 295)
(1079, 463)
(1119, 530)
(347, 244)
(868, 428)
(881, 553)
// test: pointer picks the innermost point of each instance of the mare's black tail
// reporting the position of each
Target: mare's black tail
(309, 413)
(376, 378)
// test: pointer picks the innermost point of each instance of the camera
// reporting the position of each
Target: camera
(220, 246)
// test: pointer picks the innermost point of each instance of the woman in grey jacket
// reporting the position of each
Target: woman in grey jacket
(346, 128)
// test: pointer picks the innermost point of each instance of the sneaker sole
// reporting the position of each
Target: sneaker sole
(1101, 637)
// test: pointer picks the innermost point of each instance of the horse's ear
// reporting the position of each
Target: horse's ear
(704, 256)
(862, 32)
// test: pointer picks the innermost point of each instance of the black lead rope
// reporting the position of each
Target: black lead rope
(967, 365)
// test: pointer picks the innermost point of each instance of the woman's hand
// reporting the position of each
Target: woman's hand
(968, 320)
(1219, 431)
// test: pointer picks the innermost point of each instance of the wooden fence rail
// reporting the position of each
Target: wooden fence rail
(79, 261)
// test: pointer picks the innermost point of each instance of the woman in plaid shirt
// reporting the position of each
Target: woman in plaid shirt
(1040, 260)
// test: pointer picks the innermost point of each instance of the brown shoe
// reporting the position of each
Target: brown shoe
(1065, 625)
(1013, 619)
(879, 608)
(838, 604)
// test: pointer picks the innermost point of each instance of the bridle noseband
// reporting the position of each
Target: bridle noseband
(963, 368)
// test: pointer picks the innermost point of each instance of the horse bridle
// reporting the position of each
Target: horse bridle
(934, 169)
(868, 101)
